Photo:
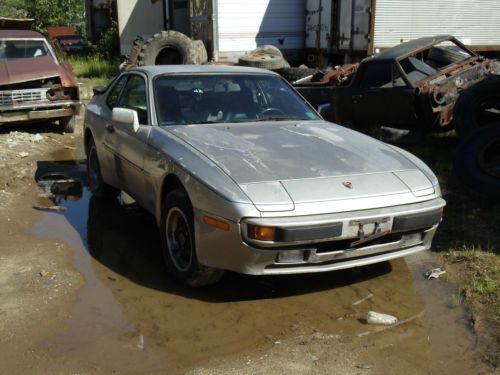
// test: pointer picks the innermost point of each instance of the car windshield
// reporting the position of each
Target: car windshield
(215, 98)
(22, 49)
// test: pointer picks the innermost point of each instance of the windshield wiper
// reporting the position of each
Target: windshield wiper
(280, 118)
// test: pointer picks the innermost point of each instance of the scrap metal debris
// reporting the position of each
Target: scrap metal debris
(379, 318)
(50, 208)
(434, 273)
(362, 299)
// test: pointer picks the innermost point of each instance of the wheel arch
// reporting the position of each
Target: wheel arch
(170, 183)
(87, 136)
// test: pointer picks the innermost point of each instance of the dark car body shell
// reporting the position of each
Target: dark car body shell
(427, 103)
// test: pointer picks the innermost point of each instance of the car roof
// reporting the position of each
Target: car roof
(404, 49)
(20, 34)
(154, 70)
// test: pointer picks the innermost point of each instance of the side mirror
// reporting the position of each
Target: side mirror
(99, 90)
(126, 116)
(324, 110)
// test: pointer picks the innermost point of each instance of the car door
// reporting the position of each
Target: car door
(129, 144)
(384, 97)
(100, 110)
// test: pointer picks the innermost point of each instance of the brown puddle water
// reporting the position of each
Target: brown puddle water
(131, 317)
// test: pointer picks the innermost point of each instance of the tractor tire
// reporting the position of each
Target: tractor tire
(477, 163)
(294, 74)
(171, 47)
(477, 106)
(269, 49)
(264, 61)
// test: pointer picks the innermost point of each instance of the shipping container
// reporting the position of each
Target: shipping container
(349, 30)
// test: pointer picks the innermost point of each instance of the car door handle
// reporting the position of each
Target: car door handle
(110, 128)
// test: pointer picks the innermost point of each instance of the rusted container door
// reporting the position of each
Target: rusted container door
(353, 33)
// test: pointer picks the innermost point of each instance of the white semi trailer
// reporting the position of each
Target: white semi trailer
(348, 30)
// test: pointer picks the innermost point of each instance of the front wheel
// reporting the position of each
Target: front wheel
(178, 242)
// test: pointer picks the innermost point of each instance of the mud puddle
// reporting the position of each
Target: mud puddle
(131, 317)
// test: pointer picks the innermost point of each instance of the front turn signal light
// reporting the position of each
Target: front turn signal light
(261, 233)
(219, 224)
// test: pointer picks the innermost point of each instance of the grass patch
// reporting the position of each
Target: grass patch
(94, 66)
(479, 275)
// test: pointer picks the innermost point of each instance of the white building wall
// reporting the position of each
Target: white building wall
(138, 17)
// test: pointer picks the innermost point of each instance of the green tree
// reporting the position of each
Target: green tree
(13, 8)
(57, 13)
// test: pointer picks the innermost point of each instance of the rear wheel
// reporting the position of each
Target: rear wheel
(178, 242)
(477, 162)
(478, 106)
(96, 184)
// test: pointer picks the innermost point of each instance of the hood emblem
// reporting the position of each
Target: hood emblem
(347, 184)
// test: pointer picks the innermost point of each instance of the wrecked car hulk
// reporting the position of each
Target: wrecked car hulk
(34, 85)
(431, 83)
(242, 174)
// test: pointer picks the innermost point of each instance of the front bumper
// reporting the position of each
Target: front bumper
(30, 112)
(366, 237)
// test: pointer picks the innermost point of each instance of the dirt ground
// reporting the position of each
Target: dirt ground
(83, 290)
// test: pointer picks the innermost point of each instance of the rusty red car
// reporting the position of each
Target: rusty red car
(34, 84)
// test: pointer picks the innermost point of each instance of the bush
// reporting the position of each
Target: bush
(108, 44)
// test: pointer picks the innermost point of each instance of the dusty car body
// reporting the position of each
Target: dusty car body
(34, 85)
(417, 83)
(72, 44)
(262, 184)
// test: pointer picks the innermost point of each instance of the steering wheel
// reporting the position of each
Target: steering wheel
(269, 111)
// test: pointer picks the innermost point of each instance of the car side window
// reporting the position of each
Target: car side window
(114, 94)
(397, 79)
(134, 97)
(377, 74)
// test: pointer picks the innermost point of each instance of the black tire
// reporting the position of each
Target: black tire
(171, 47)
(178, 242)
(294, 74)
(264, 61)
(477, 162)
(97, 185)
(67, 124)
(269, 49)
(477, 106)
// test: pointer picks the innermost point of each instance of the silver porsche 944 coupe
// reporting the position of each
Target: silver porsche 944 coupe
(243, 175)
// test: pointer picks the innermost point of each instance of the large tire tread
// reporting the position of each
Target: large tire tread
(468, 168)
(191, 52)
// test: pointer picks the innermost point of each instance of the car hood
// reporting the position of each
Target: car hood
(280, 164)
(23, 70)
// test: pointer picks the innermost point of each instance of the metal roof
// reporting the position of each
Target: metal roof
(406, 48)
(21, 34)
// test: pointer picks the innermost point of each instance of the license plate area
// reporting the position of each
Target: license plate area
(369, 229)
